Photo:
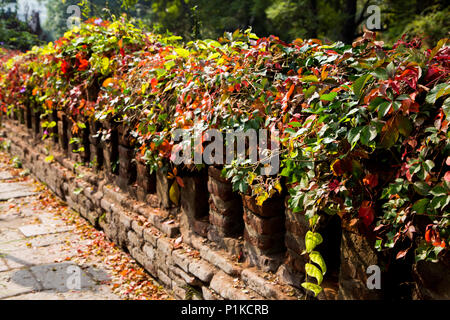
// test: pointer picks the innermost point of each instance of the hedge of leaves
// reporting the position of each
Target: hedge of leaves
(363, 128)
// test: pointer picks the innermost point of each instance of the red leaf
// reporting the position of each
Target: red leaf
(179, 181)
(366, 213)
(154, 82)
(447, 176)
(371, 180)
(402, 253)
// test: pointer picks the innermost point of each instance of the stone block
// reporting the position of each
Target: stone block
(202, 270)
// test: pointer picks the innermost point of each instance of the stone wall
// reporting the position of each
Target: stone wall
(169, 243)
(216, 244)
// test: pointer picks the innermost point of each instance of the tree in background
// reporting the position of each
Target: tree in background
(16, 34)
(289, 19)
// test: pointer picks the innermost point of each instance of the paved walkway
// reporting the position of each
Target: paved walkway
(48, 251)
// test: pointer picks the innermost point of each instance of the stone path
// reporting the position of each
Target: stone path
(49, 252)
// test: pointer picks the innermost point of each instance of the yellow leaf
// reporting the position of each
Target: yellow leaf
(107, 82)
(182, 52)
(251, 177)
(261, 198)
(144, 87)
(174, 193)
(277, 186)
(105, 65)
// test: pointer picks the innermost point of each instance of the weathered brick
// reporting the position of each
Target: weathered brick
(271, 207)
(93, 216)
(187, 278)
(226, 225)
(125, 220)
(179, 291)
(224, 285)
(162, 189)
(261, 258)
(219, 260)
(151, 235)
(134, 239)
(105, 204)
(209, 294)
(181, 259)
(149, 251)
(227, 208)
(194, 196)
(202, 270)
(138, 255)
(171, 229)
(262, 286)
(139, 229)
(113, 194)
(164, 245)
(162, 261)
(164, 278)
(264, 226)
(267, 243)
(294, 242)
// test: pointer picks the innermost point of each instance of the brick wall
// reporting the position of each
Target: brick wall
(216, 244)
(164, 241)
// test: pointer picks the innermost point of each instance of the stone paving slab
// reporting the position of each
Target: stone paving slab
(41, 254)
(15, 194)
(33, 230)
(3, 266)
(17, 282)
(23, 243)
(101, 293)
(9, 235)
(5, 175)
(62, 277)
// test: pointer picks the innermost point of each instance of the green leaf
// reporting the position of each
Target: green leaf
(439, 202)
(312, 287)
(353, 135)
(49, 158)
(329, 96)
(428, 165)
(390, 70)
(437, 92)
(404, 126)
(313, 271)
(368, 133)
(389, 134)
(295, 124)
(438, 191)
(310, 78)
(360, 83)
(312, 239)
(380, 73)
(383, 108)
(317, 258)
(421, 188)
(420, 206)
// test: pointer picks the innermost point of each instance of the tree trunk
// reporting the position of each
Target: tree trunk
(349, 25)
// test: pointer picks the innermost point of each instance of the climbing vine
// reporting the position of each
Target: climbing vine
(363, 128)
